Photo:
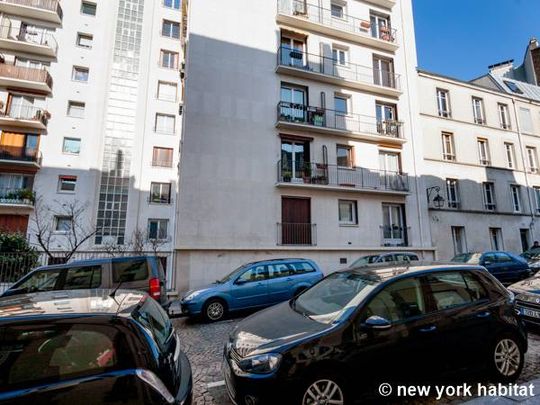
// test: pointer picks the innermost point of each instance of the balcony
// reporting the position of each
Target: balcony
(307, 16)
(25, 117)
(311, 66)
(38, 80)
(14, 155)
(337, 178)
(315, 119)
(383, 3)
(32, 40)
(17, 197)
(304, 234)
(394, 235)
(46, 10)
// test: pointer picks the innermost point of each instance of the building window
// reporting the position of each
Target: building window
(483, 152)
(495, 236)
(452, 193)
(76, 109)
(347, 212)
(448, 146)
(513, 87)
(71, 146)
(170, 29)
(169, 59)
(515, 190)
(478, 110)
(537, 197)
(504, 116)
(510, 155)
(167, 91)
(85, 40)
(460, 242)
(80, 74)
(165, 123)
(157, 229)
(525, 120)
(532, 159)
(160, 193)
(88, 8)
(172, 4)
(337, 10)
(489, 196)
(339, 55)
(344, 156)
(162, 157)
(341, 105)
(62, 223)
(443, 103)
(383, 72)
(66, 184)
(389, 162)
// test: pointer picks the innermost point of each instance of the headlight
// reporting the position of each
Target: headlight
(192, 295)
(261, 364)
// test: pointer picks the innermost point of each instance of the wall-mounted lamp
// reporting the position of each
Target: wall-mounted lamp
(438, 200)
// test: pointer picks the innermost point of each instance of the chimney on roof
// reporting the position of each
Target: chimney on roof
(505, 68)
(534, 51)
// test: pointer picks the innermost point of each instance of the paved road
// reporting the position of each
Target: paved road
(203, 343)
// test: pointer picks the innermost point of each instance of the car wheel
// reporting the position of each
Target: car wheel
(507, 359)
(324, 390)
(215, 310)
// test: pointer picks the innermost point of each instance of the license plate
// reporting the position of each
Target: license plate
(530, 313)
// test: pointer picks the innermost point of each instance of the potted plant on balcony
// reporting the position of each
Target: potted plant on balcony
(307, 173)
(365, 25)
(286, 176)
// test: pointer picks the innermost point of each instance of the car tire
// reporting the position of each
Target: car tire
(323, 388)
(214, 310)
(506, 358)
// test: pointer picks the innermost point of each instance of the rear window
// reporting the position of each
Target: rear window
(41, 280)
(302, 267)
(38, 354)
(154, 319)
(452, 289)
(129, 270)
(83, 277)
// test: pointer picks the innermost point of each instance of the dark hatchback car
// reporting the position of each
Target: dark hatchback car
(358, 328)
(527, 299)
(87, 347)
(504, 266)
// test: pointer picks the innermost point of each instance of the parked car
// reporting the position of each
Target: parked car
(506, 267)
(389, 257)
(533, 258)
(253, 285)
(361, 327)
(144, 273)
(90, 347)
(527, 299)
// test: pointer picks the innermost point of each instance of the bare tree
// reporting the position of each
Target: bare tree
(138, 240)
(75, 232)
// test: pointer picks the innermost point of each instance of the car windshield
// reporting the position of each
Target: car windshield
(365, 260)
(470, 258)
(334, 297)
(232, 275)
(39, 281)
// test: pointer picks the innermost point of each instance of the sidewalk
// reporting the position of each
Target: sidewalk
(521, 400)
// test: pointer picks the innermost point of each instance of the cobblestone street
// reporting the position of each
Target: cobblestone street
(203, 343)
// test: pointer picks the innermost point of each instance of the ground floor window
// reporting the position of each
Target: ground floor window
(495, 236)
(347, 212)
(458, 237)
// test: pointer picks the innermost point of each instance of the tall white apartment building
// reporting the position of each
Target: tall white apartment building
(112, 137)
(298, 135)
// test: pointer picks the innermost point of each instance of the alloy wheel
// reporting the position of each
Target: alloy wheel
(507, 357)
(323, 392)
(215, 311)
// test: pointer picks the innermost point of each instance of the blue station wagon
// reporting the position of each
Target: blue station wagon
(252, 285)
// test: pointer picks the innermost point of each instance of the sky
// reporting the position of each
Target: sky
(461, 38)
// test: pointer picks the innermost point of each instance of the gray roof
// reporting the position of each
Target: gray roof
(529, 90)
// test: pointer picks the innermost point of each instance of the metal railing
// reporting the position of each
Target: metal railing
(19, 153)
(159, 199)
(13, 266)
(323, 117)
(344, 22)
(300, 234)
(17, 196)
(394, 235)
(25, 112)
(162, 163)
(30, 35)
(51, 5)
(328, 66)
(338, 176)
(26, 73)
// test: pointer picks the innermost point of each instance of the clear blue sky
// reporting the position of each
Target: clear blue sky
(461, 38)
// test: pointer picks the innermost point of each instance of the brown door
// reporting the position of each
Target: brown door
(296, 221)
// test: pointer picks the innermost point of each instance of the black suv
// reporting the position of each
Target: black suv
(361, 327)
(91, 347)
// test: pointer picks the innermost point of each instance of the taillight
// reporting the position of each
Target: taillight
(154, 288)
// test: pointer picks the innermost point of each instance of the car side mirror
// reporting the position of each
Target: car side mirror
(240, 282)
(486, 263)
(377, 322)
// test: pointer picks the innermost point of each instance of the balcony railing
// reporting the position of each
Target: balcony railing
(19, 154)
(159, 199)
(330, 67)
(49, 5)
(17, 196)
(325, 118)
(29, 113)
(337, 176)
(299, 234)
(344, 22)
(26, 73)
(394, 235)
(31, 35)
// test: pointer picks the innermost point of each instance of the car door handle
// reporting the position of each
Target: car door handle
(426, 329)
(484, 314)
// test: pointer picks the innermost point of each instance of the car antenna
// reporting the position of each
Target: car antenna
(113, 293)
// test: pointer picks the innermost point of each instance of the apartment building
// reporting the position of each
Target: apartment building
(481, 142)
(298, 135)
(107, 136)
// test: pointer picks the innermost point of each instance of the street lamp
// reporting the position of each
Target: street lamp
(438, 200)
